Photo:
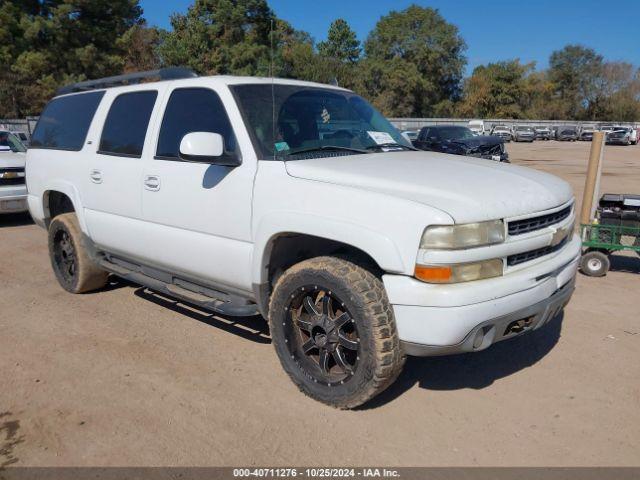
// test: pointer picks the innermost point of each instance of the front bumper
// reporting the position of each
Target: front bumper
(501, 328)
(13, 199)
(447, 319)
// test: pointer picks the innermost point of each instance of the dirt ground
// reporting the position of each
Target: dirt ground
(124, 377)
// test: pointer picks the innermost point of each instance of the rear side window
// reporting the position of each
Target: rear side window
(126, 125)
(193, 110)
(65, 121)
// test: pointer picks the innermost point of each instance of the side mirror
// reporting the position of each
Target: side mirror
(206, 147)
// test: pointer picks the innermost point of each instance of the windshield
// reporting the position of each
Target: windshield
(8, 141)
(455, 133)
(523, 129)
(312, 120)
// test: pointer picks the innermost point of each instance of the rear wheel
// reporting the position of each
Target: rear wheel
(71, 263)
(595, 263)
(334, 331)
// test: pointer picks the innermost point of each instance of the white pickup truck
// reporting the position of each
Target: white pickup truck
(299, 202)
(13, 191)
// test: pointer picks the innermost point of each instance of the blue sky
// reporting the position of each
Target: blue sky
(493, 29)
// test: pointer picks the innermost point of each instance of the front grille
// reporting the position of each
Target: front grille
(495, 149)
(519, 227)
(519, 258)
(11, 176)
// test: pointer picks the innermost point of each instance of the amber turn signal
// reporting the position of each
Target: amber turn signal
(433, 274)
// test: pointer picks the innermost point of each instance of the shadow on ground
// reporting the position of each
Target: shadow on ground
(624, 263)
(15, 220)
(474, 370)
(250, 328)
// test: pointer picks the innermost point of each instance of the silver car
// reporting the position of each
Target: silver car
(522, 133)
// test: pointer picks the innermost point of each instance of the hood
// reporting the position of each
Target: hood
(469, 189)
(12, 159)
(478, 141)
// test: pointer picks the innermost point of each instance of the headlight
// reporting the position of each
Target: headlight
(462, 236)
(462, 272)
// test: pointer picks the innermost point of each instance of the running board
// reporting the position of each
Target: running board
(225, 305)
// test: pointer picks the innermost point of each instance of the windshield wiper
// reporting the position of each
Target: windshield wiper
(324, 148)
(391, 145)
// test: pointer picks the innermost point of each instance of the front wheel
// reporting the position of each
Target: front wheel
(334, 331)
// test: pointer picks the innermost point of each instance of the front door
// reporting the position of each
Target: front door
(198, 215)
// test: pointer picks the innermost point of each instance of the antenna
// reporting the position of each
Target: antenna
(273, 96)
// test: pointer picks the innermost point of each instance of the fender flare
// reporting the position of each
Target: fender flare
(70, 191)
(375, 244)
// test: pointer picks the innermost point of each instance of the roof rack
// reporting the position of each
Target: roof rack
(170, 73)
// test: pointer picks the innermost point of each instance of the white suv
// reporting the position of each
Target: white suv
(300, 202)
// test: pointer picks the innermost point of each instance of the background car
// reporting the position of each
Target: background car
(461, 141)
(478, 127)
(542, 132)
(523, 133)
(23, 137)
(502, 131)
(13, 190)
(567, 133)
(619, 136)
(410, 135)
(586, 134)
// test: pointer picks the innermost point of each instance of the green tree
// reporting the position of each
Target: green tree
(139, 47)
(575, 70)
(618, 93)
(414, 62)
(221, 37)
(496, 90)
(341, 44)
(44, 44)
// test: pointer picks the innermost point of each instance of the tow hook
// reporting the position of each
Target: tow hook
(518, 326)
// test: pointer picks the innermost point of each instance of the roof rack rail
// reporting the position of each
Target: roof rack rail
(170, 73)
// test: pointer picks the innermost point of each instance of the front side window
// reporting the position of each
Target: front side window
(9, 142)
(294, 122)
(194, 110)
(126, 125)
(65, 121)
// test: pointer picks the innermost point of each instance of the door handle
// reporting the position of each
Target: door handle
(152, 183)
(95, 176)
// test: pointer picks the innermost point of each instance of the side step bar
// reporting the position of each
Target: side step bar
(179, 289)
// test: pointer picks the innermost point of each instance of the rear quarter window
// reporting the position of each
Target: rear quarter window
(65, 121)
(126, 125)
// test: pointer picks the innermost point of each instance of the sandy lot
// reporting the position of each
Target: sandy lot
(124, 377)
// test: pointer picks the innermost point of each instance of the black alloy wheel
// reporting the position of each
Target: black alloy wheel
(64, 256)
(322, 335)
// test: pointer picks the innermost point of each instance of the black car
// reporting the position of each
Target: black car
(461, 141)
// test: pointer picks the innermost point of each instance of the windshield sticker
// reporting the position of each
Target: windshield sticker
(325, 116)
(281, 146)
(381, 138)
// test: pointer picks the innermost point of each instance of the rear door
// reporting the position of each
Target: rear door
(197, 215)
(113, 176)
